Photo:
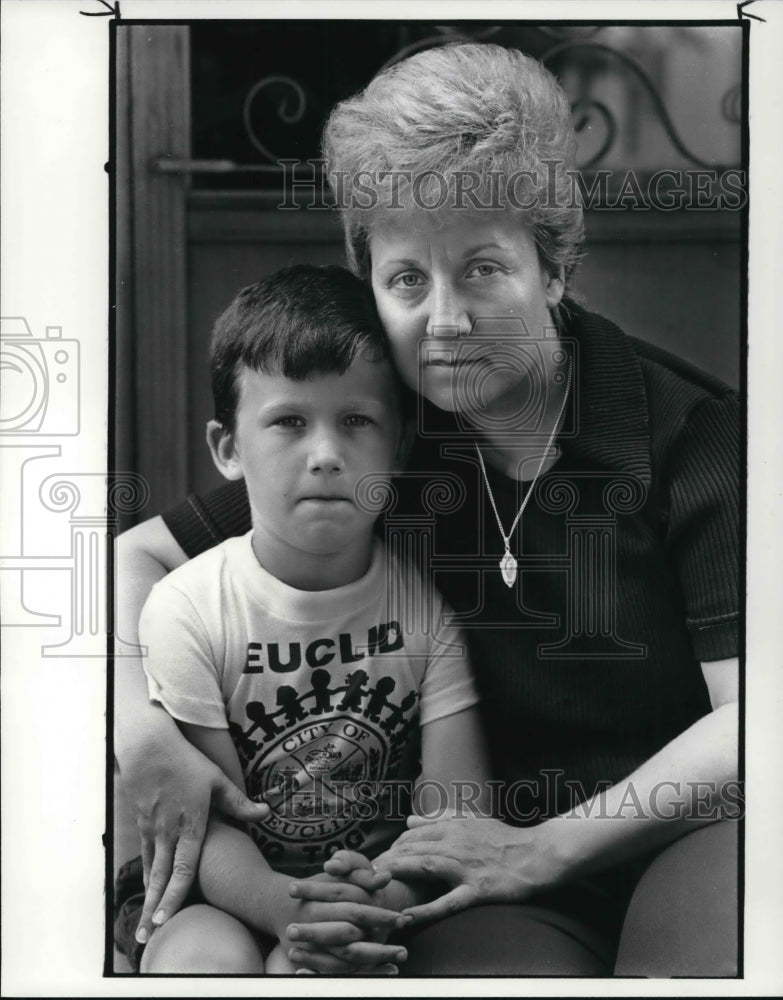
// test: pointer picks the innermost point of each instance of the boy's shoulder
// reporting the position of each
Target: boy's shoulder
(405, 574)
(208, 569)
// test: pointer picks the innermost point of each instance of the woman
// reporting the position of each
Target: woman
(589, 549)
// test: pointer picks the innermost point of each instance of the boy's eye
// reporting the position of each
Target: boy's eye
(357, 420)
(289, 421)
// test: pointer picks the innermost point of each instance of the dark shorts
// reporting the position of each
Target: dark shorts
(128, 904)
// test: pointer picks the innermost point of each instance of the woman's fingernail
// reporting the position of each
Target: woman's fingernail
(294, 954)
(159, 917)
(401, 921)
(141, 935)
(305, 972)
(392, 970)
(293, 889)
(401, 956)
(293, 932)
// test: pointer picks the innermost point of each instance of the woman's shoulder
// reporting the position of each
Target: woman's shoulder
(666, 371)
(202, 578)
(670, 389)
(682, 397)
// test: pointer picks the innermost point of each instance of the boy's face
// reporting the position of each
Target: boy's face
(302, 446)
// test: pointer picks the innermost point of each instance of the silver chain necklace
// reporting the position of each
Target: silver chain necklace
(508, 564)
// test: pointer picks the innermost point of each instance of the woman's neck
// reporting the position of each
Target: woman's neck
(517, 451)
(520, 462)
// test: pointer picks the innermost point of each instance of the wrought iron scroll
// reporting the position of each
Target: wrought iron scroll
(644, 78)
(293, 105)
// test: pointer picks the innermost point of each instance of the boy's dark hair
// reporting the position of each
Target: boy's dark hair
(301, 321)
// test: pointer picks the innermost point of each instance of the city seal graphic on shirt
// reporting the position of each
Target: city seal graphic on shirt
(323, 758)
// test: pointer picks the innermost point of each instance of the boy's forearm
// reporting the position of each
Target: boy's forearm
(235, 877)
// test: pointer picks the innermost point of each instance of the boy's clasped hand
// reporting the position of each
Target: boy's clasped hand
(344, 925)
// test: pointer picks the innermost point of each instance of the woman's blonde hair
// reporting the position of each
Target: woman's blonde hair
(474, 127)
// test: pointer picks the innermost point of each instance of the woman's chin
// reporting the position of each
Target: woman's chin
(473, 399)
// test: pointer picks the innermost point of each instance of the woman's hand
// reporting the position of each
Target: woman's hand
(171, 790)
(339, 929)
(481, 860)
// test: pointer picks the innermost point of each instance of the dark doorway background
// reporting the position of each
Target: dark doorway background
(205, 112)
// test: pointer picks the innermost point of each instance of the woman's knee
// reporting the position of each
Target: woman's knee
(202, 939)
(505, 939)
(682, 919)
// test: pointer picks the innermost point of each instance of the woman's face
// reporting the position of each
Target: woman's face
(466, 307)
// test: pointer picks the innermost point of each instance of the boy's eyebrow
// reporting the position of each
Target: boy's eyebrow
(346, 403)
(278, 404)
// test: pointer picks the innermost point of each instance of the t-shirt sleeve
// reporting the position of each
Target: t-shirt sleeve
(179, 661)
(703, 525)
(199, 523)
(447, 686)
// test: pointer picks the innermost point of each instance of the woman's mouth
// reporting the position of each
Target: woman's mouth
(454, 363)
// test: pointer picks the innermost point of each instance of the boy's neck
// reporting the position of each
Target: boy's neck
(311, 571)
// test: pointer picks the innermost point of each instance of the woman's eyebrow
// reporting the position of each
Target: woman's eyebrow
(362, 402)
(396, 261)
(483, 246)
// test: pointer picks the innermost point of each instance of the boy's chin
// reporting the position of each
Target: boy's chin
(331, 541)
(334, 548)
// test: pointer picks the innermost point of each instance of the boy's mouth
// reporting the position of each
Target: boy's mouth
(324, 498)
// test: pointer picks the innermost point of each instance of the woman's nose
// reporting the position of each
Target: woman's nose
(449, 315)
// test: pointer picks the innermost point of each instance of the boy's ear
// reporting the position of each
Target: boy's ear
(224, 454)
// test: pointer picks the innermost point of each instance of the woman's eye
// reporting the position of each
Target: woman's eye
(408, 279)
(357, 420)
(483, 270)
(290, 421)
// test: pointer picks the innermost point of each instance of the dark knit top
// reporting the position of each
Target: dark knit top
(628, 575)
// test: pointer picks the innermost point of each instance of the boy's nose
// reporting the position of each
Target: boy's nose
(325, 455)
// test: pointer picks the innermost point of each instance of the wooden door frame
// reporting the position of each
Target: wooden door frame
(152, 121)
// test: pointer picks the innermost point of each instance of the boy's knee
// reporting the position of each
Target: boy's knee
(202, 939)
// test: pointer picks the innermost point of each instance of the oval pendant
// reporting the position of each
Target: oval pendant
(508, 568)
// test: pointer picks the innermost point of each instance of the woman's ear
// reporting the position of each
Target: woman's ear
(224, 454)
(555, 288)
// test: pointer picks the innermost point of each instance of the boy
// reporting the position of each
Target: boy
(284, 655)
